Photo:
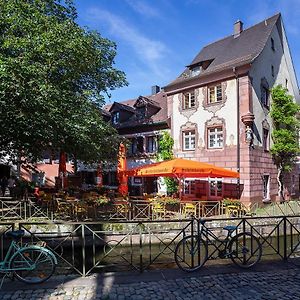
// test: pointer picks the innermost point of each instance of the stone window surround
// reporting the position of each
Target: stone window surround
(184, 128)
(213, 107)
(266, 192)
(190, 94)
(266, 126)
(189, 111)
(213, 123)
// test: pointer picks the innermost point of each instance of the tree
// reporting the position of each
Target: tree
(53, 77)
(165, 152)
(285, 146)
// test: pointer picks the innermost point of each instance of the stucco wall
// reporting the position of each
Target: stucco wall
(261, 162)
(200, 116)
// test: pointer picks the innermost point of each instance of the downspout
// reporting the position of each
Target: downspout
(238, 148)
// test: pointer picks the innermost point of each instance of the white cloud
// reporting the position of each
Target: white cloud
(144, 9)
(150, 52)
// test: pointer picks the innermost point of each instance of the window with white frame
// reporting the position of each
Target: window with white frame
(215, 94)
(116, 118)
(151, 144)
(188, 186)
(189, 140)
(215, 187)
(215, 137)
(266, 187)
(195, 71)
(188, 100)
(133, 146)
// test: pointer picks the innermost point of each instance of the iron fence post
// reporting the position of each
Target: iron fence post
(284, 239)
(83, 249)
(25, 214)
(141, 247)
(192, 226)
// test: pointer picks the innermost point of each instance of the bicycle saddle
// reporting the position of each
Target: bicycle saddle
(15, 234)
(230, 227)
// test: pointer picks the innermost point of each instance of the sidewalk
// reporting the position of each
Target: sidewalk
(276, 280)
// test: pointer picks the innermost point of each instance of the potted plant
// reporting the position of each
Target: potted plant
(172, 204)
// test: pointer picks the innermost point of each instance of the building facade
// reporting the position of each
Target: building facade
(140, 121)
(220, 108)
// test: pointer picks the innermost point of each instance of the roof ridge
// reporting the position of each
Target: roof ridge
(228, 36)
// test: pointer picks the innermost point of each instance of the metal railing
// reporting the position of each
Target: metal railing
(139, 210)
(89, 247)
(23, 210)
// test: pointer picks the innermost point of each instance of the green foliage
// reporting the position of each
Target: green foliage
(165, 146)
(285, 133)
(285, 146)
(165, 152)
(230, 201)
(53, 75)
(169, 201)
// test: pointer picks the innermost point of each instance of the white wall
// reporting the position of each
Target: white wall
(281, 60)
(227, 112)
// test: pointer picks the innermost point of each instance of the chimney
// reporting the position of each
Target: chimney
(238, 28)
(155, 89)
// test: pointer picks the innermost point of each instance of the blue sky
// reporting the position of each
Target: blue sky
(156, 39)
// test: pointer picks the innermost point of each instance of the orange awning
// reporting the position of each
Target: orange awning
(182, 168)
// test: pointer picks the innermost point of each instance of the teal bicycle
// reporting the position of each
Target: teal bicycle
(30, 263)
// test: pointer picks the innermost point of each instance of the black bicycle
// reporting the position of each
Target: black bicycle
(243, 248)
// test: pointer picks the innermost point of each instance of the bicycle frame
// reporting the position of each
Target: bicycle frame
(207, 233)
(4, 265)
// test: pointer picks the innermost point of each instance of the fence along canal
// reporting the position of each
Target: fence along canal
(84, 248)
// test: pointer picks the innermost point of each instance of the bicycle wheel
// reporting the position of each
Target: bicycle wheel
(190, 253)
(32, 265)
(245, 250)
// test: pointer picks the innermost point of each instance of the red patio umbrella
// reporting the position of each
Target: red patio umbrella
(62, 168)
(123, 184)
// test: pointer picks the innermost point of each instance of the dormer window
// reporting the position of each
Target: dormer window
(116, 118)
(189, 100)
(141, 113)
(195, 71)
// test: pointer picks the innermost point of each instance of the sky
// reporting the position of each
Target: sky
(156, 39)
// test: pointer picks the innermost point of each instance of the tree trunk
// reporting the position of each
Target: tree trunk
(280, 184)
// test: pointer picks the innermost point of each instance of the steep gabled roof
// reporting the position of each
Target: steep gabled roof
(120, 106)
(158, 100)
(232, 51)
(142, 101)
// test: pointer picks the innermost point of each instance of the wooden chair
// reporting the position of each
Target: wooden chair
(158, 210)
(189, 209)
(81, 210)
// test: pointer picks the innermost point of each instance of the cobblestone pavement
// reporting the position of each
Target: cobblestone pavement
(280, 284)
